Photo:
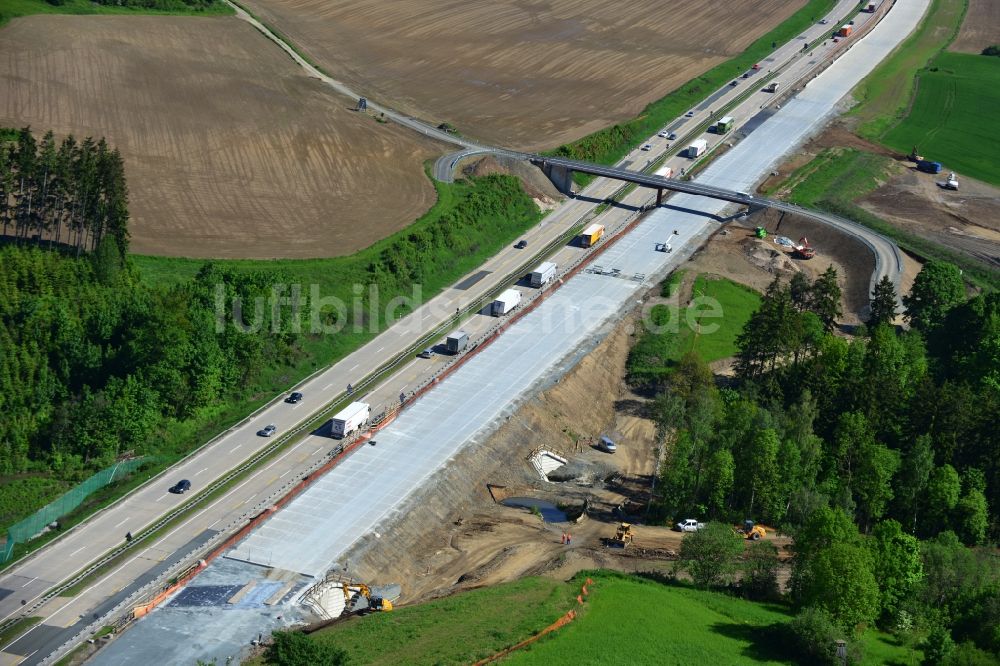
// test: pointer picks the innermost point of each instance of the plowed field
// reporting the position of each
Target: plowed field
(980, 27)
(230, 151)
(521, 73)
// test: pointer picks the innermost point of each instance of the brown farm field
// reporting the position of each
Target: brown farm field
(980, 28)
(528, 74)
(230, 150)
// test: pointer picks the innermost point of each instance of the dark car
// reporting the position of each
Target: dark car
(294, 398)
(267, 430)
(180, 487)
(521, 244)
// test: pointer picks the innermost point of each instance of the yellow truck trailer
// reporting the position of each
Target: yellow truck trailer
(591, 235)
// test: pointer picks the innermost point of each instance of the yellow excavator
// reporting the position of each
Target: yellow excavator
(751, 531)
(374, 603)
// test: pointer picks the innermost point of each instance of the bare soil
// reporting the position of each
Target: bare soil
(454, 536)
(967, 220)
(230, 150)
(528, 74)
(735, 253)
(980, 28)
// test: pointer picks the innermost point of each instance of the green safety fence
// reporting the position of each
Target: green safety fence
(36, 522)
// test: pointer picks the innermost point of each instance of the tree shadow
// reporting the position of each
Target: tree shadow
(767, 643)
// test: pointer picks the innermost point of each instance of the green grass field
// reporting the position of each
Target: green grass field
(626, 619)
(10, 9)
(885, 94)
(709, 326)
(955, 116)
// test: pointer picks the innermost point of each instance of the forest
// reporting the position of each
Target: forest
(65, 192)
(877, 452)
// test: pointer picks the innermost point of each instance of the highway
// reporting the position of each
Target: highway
(317, 529)
(30, 579)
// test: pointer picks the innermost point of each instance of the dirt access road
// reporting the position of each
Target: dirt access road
(980, 28)
(526, 74)
(230, 150)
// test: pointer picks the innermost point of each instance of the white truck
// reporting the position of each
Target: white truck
(690, 525)
(505, 302)
(665, 171)
(543, 274)
(697, 148)
(349, 419)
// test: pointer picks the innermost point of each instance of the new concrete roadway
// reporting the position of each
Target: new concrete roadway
(30, 579)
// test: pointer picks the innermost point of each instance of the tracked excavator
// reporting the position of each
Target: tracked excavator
(358, 598)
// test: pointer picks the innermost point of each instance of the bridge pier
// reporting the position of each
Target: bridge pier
(659, 196)
(561, 177)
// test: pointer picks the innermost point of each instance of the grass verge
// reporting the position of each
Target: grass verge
(838, 177)
(609, 145)
(708, 325)
(10, 9)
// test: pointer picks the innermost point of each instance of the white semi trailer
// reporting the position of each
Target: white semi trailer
(350, 418)
(505, 302)
(543, 274)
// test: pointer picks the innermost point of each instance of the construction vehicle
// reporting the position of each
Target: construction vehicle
(663, 247)
(358, 597)
(623, 536)
(803, 250)
(845, 31)
(927, 166)
(760, 232)
(750, 531)
(950, 184)
(914, 156)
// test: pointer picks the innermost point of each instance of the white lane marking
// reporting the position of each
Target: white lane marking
(317, 450)
(297, 406)
(77, 551)
(380, 349)
(285, 474)
(30, 582)
(327, 387)
(357, 364)
(162, 496)
(200, 471)
(213, 524)
(235, 447)
(122, 522)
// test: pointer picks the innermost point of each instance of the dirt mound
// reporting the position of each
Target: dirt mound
(535, 183)
(767, 256)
